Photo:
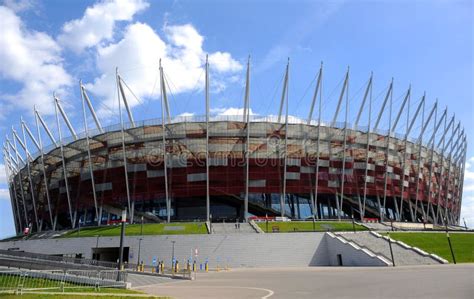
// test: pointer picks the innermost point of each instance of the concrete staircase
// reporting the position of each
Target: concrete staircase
(230, 228)
(403, 255)
(377, 226)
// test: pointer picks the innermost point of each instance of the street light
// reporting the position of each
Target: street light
(122, 237)
(139, 248)
(449, 240)
(172, 254)
(210, 222)
(266, 222)
(391, 251)
(352, 217)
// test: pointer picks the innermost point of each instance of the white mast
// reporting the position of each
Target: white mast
(247, 151)
(165, 156)
(56, 102)
(208, 202)
(120, 91)
(85, 98)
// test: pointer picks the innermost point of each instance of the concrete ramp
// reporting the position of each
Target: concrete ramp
(402, 253)
(342, 252)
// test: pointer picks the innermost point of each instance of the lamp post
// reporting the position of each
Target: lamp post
(122, 237)
(449, 240)
(391, 251)
(353, 224)
(210, 223)
(139, 249)
(266, 222)
(172, 254)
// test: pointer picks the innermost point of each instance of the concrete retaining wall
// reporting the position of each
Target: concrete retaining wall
(351, 253)
(236, 250)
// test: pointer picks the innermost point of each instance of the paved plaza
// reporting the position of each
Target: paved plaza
(439, 281)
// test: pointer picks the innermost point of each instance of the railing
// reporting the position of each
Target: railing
(213, 118)
(60, 259)
(19, 281)
(183, 271)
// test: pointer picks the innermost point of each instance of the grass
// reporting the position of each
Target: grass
(11, 283)
(185, 228)
(437, 243)
(307, 226)
(69, 296)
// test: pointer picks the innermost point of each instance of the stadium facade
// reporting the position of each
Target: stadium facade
(234, 167)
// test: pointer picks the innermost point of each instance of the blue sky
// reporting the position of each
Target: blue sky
(48, 46)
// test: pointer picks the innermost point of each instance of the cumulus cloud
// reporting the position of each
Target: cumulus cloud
(137, 54)
(223, 62)
(33, 59)
(98, 23)
(229, 111)
(186, 114)
(19, 5)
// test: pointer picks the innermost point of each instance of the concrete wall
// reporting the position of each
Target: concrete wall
(240, 250)
(237, 250)
(351, 254)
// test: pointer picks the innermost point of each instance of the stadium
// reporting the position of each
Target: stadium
(229, 168)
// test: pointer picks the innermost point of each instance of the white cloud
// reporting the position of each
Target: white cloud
(186, 114)
(98, 23)
(223, 62)
(467, 209)
(33, 59)
(137, 56)
(229, 111)
(19, 5)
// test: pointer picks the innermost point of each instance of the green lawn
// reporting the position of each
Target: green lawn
(12, 282)
(69, 296)
(307, 226)
(185, 228)
(437, 243)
